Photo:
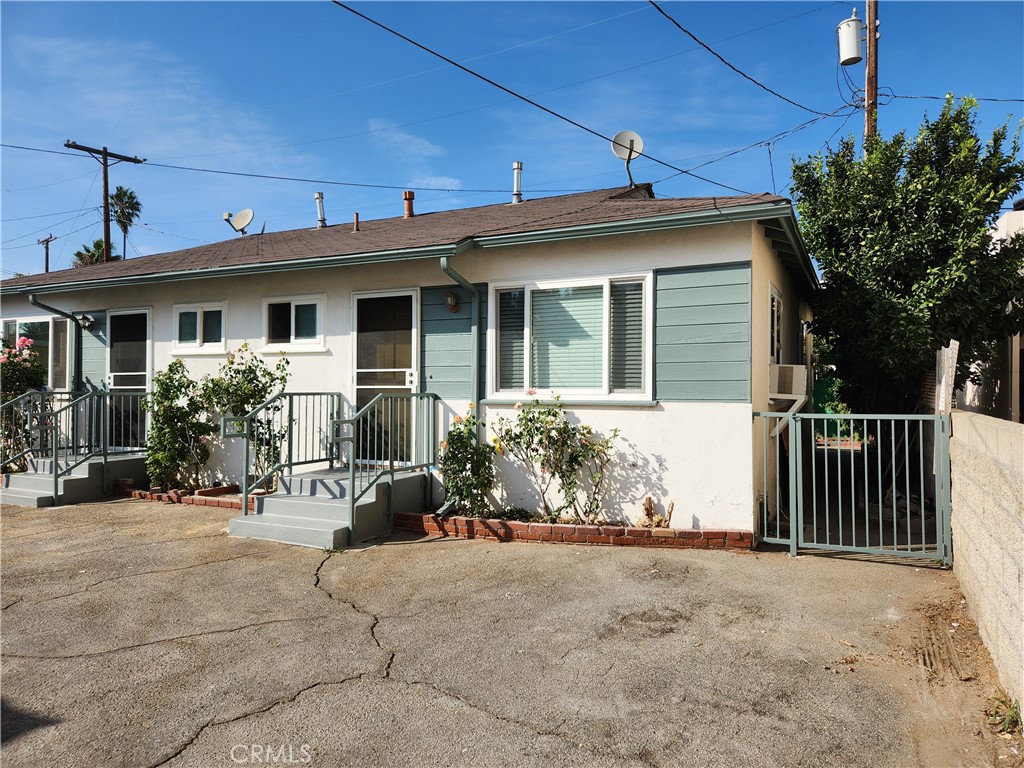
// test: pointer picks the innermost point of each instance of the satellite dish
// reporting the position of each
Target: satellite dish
(242, 220)
(627, 144)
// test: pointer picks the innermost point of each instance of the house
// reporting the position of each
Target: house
(659, 317)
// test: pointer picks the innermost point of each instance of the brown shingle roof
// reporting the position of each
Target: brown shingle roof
(400, 234)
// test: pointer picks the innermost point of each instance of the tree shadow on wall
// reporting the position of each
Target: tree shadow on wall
(632, 476)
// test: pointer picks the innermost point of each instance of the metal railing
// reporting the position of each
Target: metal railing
(285, 431)
(393, 432)
(874, 484)
(67, 429)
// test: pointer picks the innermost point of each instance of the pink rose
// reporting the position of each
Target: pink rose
(3, 359)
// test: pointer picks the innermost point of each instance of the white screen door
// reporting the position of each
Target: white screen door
(386, 363)
(128, 377)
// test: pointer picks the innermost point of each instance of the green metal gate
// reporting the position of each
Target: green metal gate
(872, 484)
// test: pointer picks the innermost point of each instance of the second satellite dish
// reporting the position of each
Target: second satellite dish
(627, 144)
(241, 220)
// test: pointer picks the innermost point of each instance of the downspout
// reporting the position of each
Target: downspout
(474, 329)
(76, 377)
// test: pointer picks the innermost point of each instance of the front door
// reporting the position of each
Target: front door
(386, 364)
(128, 377)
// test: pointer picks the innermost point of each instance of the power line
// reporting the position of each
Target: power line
(718, 56)
(297, 178)
(519, 96)
(45, 215)
(943, 98)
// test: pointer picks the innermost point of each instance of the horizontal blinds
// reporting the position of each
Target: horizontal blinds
(566, 326)
(511, 325)
(627, 337)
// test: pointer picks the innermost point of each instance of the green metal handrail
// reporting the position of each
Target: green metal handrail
(406, 424)
(287, 427)
(71, 433)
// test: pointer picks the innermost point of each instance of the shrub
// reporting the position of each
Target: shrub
(467, 466)
(553, 448)
(20, 369)
(242, 383)
(179, 429)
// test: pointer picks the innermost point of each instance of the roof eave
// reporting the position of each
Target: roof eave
(316, 262)
(735, 214)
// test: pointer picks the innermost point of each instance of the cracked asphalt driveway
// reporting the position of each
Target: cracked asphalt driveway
(140, 634)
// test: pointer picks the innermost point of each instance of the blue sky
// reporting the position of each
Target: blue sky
(309, 90)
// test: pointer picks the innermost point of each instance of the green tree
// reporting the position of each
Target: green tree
(126, 208)
(902, 237)
(93, 254)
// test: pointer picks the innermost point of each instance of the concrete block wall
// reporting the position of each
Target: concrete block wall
(987, 456)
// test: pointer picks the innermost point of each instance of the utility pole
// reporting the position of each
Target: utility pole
(871, 71)
(104, 156)
(45, 242)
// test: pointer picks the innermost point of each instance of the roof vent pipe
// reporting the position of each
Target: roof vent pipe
(355, 222)
(321, 221)
(408, 196)
(517, 182)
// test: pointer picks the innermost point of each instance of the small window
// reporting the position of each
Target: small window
(199, 327)
(578, 338)
(296, 321)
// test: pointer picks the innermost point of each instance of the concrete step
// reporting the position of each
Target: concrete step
(303, 531)
(83, 483)
(304, 506)
(319, 485)
(25, 498)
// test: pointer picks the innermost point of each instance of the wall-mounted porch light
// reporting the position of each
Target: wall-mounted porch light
(452, 300)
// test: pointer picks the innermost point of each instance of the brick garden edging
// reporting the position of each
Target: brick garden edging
(511, 530)
(204, 497)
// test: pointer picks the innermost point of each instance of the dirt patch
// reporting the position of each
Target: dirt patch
(946, 677)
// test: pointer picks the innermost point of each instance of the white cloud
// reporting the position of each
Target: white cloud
(402, 144)
(436, 182)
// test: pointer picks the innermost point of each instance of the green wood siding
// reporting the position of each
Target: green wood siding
(94, 353)
(702, 334)
(446, 360)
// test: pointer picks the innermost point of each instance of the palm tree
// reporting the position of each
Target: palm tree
(125, 207)
(93, 254)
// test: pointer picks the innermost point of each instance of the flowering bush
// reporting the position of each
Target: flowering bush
(244, 382)
(467, 466)
(20, 369)
(179, 429)
(553, 448)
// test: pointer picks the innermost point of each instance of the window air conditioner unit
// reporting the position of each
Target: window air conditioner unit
(787, 380)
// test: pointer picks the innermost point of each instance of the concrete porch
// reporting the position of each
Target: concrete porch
(315, 509)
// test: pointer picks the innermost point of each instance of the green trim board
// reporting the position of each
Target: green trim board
(94, 352)
(446, 354)
(702, 333)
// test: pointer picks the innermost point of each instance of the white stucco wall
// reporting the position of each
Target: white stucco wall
(695, 455)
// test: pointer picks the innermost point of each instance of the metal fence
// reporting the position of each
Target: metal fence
(873, 484)
(391, 433)
(55, 432)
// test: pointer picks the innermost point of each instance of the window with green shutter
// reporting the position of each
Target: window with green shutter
(580, 338)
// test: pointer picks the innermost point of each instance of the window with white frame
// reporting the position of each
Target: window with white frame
(584, 338)
(294, 321)
(50, 339)
(775, 320)
(199, 327)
